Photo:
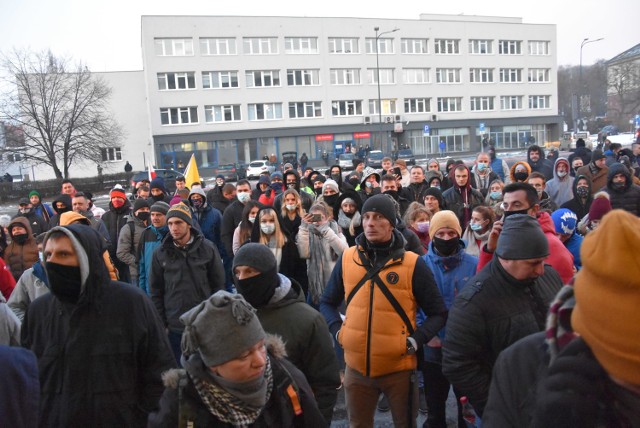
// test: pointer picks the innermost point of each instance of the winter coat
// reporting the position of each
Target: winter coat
(19, 403)
(576, 204)
(31, 285)
(44, 211)
(230, 220)
(210, 220)
(307, 341)
(21, 257)
(541, 165)
(306, 198)
(560, 189)
(280, 411)
(628, 198)
(598, 177)
(100, 359)
(38, 225)
(573, 244)
(150, 239)
(114, 220)
(412, 241)
(415, 191)
(9, 325)
(128, 242)
(182, 278)
(493, 311)
(482, 183)
(55, 219)
(512, 171)
(462, 208)
(500, 167)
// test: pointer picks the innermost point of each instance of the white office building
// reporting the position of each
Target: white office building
(237, 88)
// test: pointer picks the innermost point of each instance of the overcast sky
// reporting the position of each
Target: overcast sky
(106, 34)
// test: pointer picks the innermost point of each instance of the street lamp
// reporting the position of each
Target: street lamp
(585, 41)
(376, 29)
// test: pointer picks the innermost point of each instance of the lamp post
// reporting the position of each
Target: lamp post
(585, 41)
(376, 29)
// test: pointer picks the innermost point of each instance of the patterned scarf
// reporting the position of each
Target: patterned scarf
(558, 332)
(227, 407)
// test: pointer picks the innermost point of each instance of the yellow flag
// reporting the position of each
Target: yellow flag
(191, 174)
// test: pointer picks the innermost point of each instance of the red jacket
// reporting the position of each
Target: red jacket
(7, 282)
(559, 257)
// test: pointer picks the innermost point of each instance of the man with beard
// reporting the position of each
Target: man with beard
(461, 198)
(80, 205)
(536, 160)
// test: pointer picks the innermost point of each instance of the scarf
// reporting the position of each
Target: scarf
(558, 331)
(320, 257)
(242, 405)
(349, 223)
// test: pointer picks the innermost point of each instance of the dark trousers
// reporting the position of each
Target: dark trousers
(174, 340)
(436, 391)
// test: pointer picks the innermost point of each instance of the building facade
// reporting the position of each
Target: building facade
(238, 88)
(623, 88)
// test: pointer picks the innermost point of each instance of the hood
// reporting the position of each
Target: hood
(535, 148)
(368, 172)
(125, 208)
(198, 191)
(339, 180)
(575, 186)
(158, 183)
(71, 217)
(89, 247)
(64, 198)
(546, 222)
(430, 175)
(24, 222)
(555, 168)
(432, 160)
(295, 174)
(512, 171)
(352, 194)
(255, 231)
(449, 262)
(618, 168)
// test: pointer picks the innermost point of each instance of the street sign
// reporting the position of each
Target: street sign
(427, 131)
(481, 126)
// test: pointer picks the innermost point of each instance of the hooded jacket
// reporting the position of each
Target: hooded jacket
(541, 165)
(21, 257)
(209, 219)
(575, 204)
(100, 359)
(127, 250)
(462, 200)
(560, 190)
(512, 171)
(306, 198)
(31, 285)
(150, 239)
(19, 369)
(38, 225)
(9, 326)
(598, 176)
(114, 220)
(627, 198)
(55, 219)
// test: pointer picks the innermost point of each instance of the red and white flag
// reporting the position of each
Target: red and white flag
(152, 172)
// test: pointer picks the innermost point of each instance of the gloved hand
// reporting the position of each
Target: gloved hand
(571, 394)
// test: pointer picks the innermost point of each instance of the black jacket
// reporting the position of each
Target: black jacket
(230, 220)
(576, 204)
(453, 201)
(38, 225)
(415, 191)
(100, 360)
(307, 199)
(628, 198)
(180, 279)
(491, 312)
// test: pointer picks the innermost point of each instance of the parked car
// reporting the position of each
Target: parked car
(255, 168)
(374, 159)
(168, 175)
(407, 156)
(290, 157)
(230, 171)
(345, 161)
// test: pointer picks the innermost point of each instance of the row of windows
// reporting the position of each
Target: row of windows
(343, 108)
(345, 76)
(344, 45)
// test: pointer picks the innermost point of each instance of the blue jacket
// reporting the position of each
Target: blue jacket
(573, 245)
(210, 221)
(150, 240)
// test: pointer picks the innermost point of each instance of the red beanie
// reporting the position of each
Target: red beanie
(600, 206)
(117, 193)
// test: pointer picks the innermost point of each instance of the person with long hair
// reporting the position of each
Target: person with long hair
(347, 215)
(291, 212)
(417, 219)
(477, 232)
(242, 233)
(494, 197)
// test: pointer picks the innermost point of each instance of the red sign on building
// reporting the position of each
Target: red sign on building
(361, 135)
(324, 137)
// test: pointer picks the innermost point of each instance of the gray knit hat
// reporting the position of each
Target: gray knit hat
(258, 256)
(522, 238)
(160, 207)
(221, 328)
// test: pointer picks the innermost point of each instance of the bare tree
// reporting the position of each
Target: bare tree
(61, 108)
(623, 80)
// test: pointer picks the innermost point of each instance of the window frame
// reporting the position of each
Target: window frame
(416, 76)
(221, 75)
(260, 45)
(457, 102)
(262, 76)
(177, 76)
(297, 106)
(482, 103)
(513, 47)
(275, 107)
(408, 46)
(346, 105)
(289, 49)
(510, 99)
(175, 43)
(387, 76)
(221, 110)
(416, 102)
(179, 112)
(295, 74)
(218, 42)
(339, 76)
(385, 46)
(508, 73)
(110, 154)
(343, 42)
(537, 43)
(475, 46)
(444, 46)
(444, 75)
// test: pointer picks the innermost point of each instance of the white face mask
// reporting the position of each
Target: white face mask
(561, 173)
(251, 218)
(243, 197)
(267, 228)
(291, 207)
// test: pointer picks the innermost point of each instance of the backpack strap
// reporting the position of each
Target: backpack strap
(394, 303)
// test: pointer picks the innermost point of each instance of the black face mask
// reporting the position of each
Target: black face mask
(582, 192)
(20, 239)
(318, 191)
(392, 193)
(143, 215)
(291, 185)
(158, 198)
(354, 181)
(520, 176)
(509, 213)
(446, 247)
(618, 186)
(336, 177)
(331, 199)
(259, 289)
(64, 281)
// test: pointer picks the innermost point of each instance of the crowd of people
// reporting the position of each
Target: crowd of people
(241, 305)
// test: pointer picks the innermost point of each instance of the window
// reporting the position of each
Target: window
(176, 81)
(510, 47)
(538, 47)
(301, 45)
(222, 113)
(415, 75)
(449, 104)
(447, 75)
(174, 47)
(15, 157)
(510, 75)
(262, 78)
(108, 154)
(178, 115)
(386, 76)
(218, 46)
(346, 108)
(414, 46)
(511, 102)
(345, 76)
(260, 45)
(539, 75)
(447, 46)
(339, 45)
(481, 47)
(303, 77)
(482, 103)
(481, 75)
(539, 102)
(301, 110)
(385, 46)
(417, 105)
(267, 111)
(388, 106)
(219, 79)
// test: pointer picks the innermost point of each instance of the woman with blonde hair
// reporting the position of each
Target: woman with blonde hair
(417, 219)
(291, 212)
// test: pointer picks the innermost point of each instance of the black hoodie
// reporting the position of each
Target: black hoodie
(64, 198)
(307, 199)
(540, 165)
(575, 204)
(627, 198)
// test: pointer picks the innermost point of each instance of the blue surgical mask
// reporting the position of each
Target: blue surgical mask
(495, 195)
(481, 167)
(476, 227)
(243, 197)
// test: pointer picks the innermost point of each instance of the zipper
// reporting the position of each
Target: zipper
(368, 356)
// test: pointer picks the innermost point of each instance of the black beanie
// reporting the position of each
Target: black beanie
(258, 289)
(381, 204)
(140, 203)
(436, 193)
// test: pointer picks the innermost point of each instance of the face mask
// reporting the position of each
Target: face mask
(268, 228)
(291, 207)
(251, 218)
(318, 191)
(482, 167)
(291, 185)
(20, 239)
(509, 213)
(64, 281)
(220, 183)
(422, 226)
(157, 198)
(259, 289)
(197, 204)
(354, 181)
(617, 186)
(24, 210)
(143, 215)
(336, 177)
(520, 176)
(495, 195)
(243, 197)
(393, 193)
(331, 199)
(561, 174)
(117, 203)
(476, 227)
(368, 184)
(446, 247)
(582, 192)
